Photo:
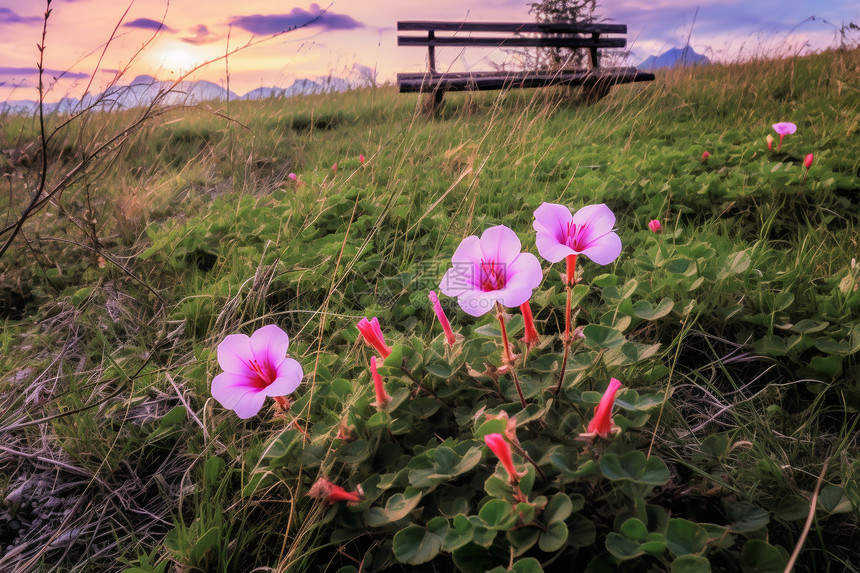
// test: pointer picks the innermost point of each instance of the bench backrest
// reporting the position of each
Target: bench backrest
(555, 35)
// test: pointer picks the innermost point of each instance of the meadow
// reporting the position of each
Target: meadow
(734, 332)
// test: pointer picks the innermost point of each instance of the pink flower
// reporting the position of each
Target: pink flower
(255, 367)
(382, 397)
(531, 334)
(807, 162)
(655, 225)
(325, 490)
(601, 424)
(361, 158)
(783, 128)
(292, 176)
(443, 320)
(705, 155)
(489, 270)
(500, 447)
(372, 334)
(769, 142)
(587, 232)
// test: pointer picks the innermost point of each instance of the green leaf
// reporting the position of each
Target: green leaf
(206, 542)
(416, 545)
(634, 529)
(684, 537)
(645, 311)
(736, 263)
(809, 326)
(397, 507)
(439, 370)
(494, 426)
(760, 557)
(353, 452)
(554, 537)
(792, 508)
(213, 468)
(527, 565)
(598, 337)
(622, 547)
(691, 564)
(559, 508)
(498, 514)
(581, 531)
(746, 517)
(833, 499)
(679, 266)
(633, 466)
(460, 534)
(522, 539)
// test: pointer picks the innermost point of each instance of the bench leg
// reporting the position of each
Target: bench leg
(433, 103)
(594, 92)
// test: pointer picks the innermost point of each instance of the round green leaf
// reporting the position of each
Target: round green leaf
(416, 545)
(634, 529)
(498, 514)
(691, 564)
(559, 508)
(760, 557)
(622, 547)
(554, 537)
(684, 537)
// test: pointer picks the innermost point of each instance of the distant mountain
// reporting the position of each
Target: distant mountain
(674, 57)
(143, 90)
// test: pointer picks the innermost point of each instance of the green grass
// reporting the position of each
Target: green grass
(107, 362)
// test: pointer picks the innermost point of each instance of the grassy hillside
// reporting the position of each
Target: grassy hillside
(736, 331)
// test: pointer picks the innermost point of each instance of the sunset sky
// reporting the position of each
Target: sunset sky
(354, 37)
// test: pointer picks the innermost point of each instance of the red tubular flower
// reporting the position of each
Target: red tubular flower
(808, 161)
(361, 158)
(531, 336)
(500, 447)
(705, 155)
(372, 334)
(325, 490)
(601, 424)
(382, 397)
(443, 320)
(769, 142)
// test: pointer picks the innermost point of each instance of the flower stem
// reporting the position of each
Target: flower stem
(500, 314)
(570, 262)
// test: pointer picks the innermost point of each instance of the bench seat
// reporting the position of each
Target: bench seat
(468, 81)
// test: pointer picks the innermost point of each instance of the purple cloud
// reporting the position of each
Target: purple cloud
(7, 16)
(201, 35)
(274, 23)
(23, 72)
(147, 24)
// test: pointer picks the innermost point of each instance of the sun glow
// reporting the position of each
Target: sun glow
(177, 60)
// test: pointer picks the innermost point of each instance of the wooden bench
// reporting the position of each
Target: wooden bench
(595, 80)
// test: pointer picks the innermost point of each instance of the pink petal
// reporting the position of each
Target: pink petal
(234, 352)
(500, 244)
(525, 270)
(550, 248)
(290, 375)
(228, 388)
(594, 220)
(477, 302)
(269, 346)
(458, 279)
(552, 218)
(249, 404)
(468, 251)
(784, 127)
(604, 249)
